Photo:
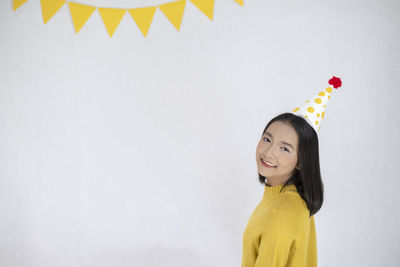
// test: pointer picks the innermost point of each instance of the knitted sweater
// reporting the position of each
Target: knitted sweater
(280, 232)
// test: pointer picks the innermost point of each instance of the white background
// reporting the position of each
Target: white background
(133, 151)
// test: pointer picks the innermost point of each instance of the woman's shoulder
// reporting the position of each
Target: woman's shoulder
(291, 204)
(287, 215)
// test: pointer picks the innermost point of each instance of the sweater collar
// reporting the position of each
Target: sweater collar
(271, 191)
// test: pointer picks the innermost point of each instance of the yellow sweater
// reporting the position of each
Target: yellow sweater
(280, 232)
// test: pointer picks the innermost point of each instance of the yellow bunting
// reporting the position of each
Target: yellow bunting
(111, 18)
(205, 6)
(143, 18)
(174, 12)
(49, 8)
(80, 14)
(240, 2)
(18, 3)
(296, 109)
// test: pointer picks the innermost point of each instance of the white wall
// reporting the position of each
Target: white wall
(133, 151)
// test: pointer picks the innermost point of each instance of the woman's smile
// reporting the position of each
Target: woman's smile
(267, 164)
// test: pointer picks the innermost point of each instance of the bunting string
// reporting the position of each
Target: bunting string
(111, 17)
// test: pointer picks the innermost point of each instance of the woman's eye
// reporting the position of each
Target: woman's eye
(284, 148)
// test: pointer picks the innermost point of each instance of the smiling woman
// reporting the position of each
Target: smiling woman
(277, 157)
(281, 230)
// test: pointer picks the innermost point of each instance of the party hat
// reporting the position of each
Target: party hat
(314, 109)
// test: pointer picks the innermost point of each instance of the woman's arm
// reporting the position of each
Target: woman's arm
(277, 240)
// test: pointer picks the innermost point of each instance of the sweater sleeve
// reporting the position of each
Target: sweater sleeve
(277, 240)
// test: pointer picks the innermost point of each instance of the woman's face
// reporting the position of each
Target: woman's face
(278, 147)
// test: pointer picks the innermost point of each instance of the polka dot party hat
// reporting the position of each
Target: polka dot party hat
(314, 109)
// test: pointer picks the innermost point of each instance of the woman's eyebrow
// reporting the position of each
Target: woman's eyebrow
(285, 143)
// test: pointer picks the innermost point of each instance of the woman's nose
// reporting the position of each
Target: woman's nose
(269, 152)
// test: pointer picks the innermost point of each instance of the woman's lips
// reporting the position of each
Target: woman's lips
(266, 165)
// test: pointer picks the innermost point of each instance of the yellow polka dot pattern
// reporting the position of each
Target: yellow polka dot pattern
(314, 108)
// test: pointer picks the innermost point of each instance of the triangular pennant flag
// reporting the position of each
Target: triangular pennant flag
(18, 3)
(174, 12)
(80, 14)
(143, 17)
(240, 2)
(49, 8)
(206, 6)
(111, 18)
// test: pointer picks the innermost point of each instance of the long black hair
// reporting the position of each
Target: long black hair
(307, 179)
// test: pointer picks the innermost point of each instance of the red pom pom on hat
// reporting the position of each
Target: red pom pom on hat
(335, 82)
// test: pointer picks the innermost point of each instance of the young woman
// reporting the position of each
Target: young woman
(281, 230)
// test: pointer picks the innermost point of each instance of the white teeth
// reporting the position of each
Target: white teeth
(268, 163)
